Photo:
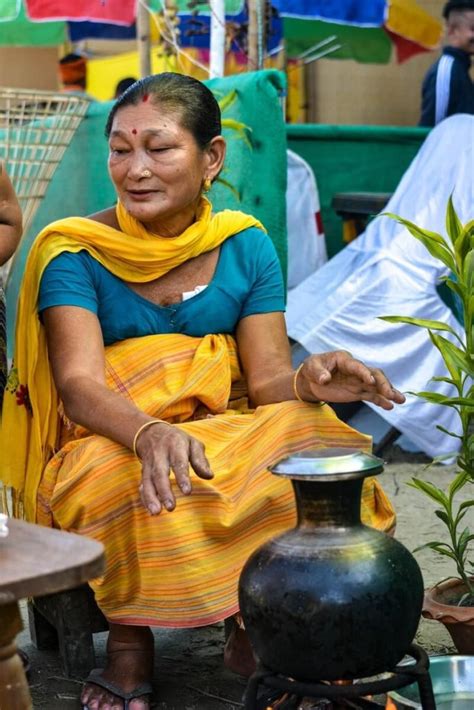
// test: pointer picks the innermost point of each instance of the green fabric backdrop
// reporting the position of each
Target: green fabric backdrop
(81, 185)
(353, 159)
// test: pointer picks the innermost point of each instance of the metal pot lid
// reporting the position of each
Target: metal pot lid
(332, 464)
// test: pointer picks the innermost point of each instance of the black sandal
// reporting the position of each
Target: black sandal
(96, 678)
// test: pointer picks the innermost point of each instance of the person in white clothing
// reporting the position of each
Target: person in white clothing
(386, 271)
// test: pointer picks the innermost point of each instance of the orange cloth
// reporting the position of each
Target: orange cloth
(73, 72)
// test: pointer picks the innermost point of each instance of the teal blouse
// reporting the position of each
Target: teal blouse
(247, 281)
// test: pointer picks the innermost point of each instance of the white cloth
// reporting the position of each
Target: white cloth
(443, 84)
(306, 240)
(386, 271)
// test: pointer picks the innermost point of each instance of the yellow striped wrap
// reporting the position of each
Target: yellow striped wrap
(181, 569)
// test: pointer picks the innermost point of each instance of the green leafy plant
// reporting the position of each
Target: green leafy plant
(457, 253)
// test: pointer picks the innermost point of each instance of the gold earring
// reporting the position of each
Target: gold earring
(207, 185)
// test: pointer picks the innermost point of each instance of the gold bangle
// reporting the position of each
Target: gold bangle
(295, 389)
(142, 428)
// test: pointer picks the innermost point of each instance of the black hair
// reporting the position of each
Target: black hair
(123, 85)
(200, 112)
(457, 5)
(71, 57)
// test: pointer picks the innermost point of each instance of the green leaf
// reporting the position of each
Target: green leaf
(442, 550)
(240, 128)
(460, 515)
(430, 490)
(421, 323)
(453, 224)
(430, 546)
(464, 539)
(458, 482)
(454, 286)
(433, 397)
(436, 245)
(468, 271)
(415, 229)
(443, 379)
(442, 515)
(227, 100)
(464, 243)
(455, 359)
(446, 431)
(459, 401)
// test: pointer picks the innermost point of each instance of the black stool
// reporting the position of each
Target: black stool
(355, 208)
(401, 677)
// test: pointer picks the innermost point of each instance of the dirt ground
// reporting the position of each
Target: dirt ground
(189, 673)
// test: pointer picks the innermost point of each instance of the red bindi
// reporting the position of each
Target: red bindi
(145, 97)
(134, 131)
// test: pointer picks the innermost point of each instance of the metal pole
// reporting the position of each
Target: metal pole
(217, 44)
(256, 34)
(143, 40)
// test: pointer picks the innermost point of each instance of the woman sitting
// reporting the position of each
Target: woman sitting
(156, 386)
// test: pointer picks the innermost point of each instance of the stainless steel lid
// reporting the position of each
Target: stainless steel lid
(336, 464)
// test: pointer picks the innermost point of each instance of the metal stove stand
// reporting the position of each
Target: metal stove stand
(401, 677)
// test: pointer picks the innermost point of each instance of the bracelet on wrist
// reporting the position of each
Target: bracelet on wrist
(142, 428)
(295, 384)
(295, 389)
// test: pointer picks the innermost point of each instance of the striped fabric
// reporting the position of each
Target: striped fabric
(181, 569)
(3, 345)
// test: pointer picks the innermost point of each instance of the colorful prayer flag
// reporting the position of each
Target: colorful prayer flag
(118, 12)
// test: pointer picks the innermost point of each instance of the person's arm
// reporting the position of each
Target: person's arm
(329, 377)
(76, 353)
(10, 218)
(428, 98)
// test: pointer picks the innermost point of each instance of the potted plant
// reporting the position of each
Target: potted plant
(451, 601)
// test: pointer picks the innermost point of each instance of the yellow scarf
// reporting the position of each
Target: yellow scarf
(30, 421)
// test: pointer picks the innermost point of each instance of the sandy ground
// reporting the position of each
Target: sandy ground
(189, 672)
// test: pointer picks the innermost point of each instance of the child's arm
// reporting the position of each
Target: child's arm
(10, 218)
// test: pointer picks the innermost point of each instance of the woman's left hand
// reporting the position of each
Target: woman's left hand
(338, 377)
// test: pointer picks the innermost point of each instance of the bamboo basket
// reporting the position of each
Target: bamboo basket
(36, 127)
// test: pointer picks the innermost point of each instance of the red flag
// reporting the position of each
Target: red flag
(117, 12)
(404, 47)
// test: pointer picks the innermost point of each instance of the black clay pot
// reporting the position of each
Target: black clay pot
(331, 599)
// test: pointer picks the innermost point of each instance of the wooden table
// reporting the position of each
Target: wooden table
(35, 560)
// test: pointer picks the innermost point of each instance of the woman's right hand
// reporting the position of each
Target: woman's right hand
(164, 448)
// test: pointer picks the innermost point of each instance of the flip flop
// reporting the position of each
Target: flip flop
(96, 678)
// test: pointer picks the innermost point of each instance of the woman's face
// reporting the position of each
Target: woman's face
(157, 167)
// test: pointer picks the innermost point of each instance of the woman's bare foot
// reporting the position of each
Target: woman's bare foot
(130, 656)
(238, 653)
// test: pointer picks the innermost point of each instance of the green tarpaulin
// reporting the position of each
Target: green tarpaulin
(364, 44)
(353, 159)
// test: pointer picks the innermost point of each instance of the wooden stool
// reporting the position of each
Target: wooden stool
(67, 621)
(35, 561)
